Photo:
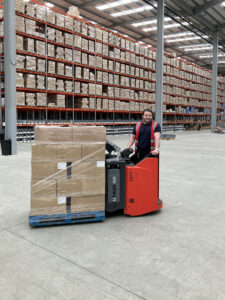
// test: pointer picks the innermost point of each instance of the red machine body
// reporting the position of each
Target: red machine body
(142, 187)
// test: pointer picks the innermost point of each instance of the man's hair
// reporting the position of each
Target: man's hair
(147, 110)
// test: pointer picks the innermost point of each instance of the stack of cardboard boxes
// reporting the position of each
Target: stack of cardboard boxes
(68, 170)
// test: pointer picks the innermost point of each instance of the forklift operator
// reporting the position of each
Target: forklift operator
(146, 136)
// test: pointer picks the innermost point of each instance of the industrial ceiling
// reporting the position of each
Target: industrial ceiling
(189, 25)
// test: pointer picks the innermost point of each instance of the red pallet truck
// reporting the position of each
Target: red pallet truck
(129, 186)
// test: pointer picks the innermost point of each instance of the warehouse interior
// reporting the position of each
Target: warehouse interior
(94, 66)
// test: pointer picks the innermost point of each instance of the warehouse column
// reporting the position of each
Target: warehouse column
(10, 73)
(1, 129)
(214, 82)
(159, 61)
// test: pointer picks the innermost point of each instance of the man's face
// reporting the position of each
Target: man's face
(147, 117)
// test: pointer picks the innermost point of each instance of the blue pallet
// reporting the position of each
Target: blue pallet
(63, 219)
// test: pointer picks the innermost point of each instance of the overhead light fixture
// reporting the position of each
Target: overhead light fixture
(186, 39)
(211, 56)
(149, 22)
(165, 27)
(221, 62)
(198, 48)
(193, 46)
(223, 3)
(49, 4)
(132, 11)
(177, 34)
(115, 4)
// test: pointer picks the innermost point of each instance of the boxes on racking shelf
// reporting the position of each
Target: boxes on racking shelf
(74, 11)
(40, 47)
(40, 82)
(77, 87)
(59, 36)
(68, 70)
(77, 41)
(84, 58)
(30, 99)
(40, 65)
(30, 63)
(60, 52)
(68, 164)
(84, 28)
(30, 9)
(98, 89)
(41, 99)
(20, 24)
(51, 16)
(20, 98)
(60, 69)
(77, 26)
(92, 103)
(78, 72)
(105, 77)
(41, 12)
(30, 26)
(82, 103)
(91, 46)
(91, 31)
(20, 80)
(51, 67)
(105, 104)
(20, 6)
(51, 34)
(91, 60)
(55, 100)
(30, 81)
(68, 86)
(111, 104)
(84, 44)
(85, 73)
(91, 74)
(84, 88)
(51, 83)
(60, 20)
(98, 103)
(20, 61)
(19, 42)
(77, 56)
(105, 50)
(99, 76)
(68, 39)
(60, 85)
(68, 22)
(50, 50)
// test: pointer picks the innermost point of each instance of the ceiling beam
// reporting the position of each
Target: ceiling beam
(201, 8)
(91, 3)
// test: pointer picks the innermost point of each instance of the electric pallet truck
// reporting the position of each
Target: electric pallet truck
(131, 187)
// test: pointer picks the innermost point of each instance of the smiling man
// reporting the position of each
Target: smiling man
(146, 136)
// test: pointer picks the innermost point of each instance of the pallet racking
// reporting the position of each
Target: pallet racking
(91, 75)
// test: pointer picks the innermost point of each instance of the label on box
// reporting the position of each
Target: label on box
(61, 200)
(62, 165)
(100, 164)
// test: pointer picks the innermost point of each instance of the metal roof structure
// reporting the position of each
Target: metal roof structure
(188, 24)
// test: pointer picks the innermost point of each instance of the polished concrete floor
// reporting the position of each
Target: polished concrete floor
(178, 253)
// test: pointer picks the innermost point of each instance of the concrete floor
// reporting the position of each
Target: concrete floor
(175, 254)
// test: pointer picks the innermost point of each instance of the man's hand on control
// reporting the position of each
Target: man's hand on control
(155, 152)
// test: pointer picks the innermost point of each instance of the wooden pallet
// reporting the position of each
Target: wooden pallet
(63, 219)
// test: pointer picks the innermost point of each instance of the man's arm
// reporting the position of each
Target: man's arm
(157, 143)
(131, 141)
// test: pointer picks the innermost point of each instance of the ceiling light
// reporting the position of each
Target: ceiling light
(186, 39)
(115, 4)
(199, 48)
(177, 34)
(132, 11)
(211, 56)
(221, 62)
(165, 27)
(149, 22)
(195, 45)
(49, 4)
(223, 3)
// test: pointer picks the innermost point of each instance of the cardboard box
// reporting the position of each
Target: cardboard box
(47, 206)
(88, 203)
(45, 188)
(92, 152)
(69, 187)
